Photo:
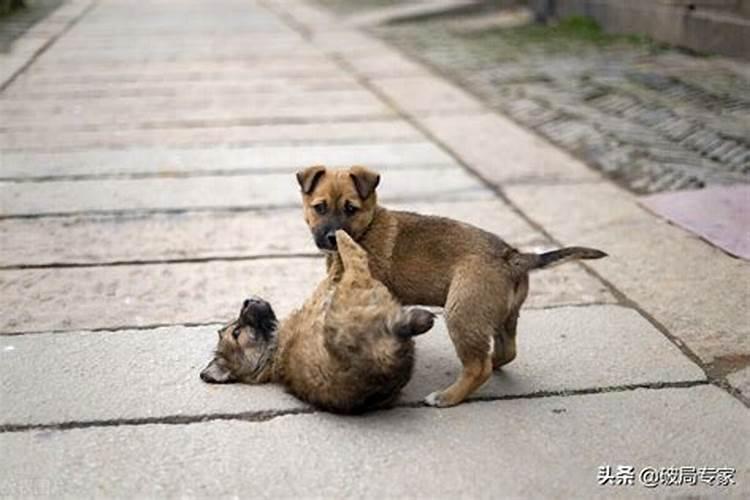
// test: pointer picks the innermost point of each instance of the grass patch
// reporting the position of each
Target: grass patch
(9, 6)
(575, 31)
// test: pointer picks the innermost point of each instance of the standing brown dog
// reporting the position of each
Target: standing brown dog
(479, 280)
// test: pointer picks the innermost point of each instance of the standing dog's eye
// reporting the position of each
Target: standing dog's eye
(321, 207)
(349, 208)
(236, 333)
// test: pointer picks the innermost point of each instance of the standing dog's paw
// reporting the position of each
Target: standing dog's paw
(434, 400)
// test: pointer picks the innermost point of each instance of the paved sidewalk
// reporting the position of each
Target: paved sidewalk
(146, 187)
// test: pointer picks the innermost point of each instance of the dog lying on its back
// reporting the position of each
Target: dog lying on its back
(347, 350)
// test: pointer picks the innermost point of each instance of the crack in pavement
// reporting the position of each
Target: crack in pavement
(150, 262)
(266, 415)
(187, 174)
(124, 328)
(452, 196)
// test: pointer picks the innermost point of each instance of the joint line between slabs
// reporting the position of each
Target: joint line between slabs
(266, 415)
(197, 173)
(150, 262)
(452, 196)
(153, 326)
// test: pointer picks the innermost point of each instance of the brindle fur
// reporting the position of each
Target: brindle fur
(348, 349)
(480, 280)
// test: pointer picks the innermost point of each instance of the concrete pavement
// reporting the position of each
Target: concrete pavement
(147, 188)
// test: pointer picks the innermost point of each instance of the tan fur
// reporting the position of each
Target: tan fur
(480, 280)
(348, 349)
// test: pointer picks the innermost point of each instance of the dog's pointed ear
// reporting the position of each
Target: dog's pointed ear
(365, 180)
(309, 177)
(217, 373)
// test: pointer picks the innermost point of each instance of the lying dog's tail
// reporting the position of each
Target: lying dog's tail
(544, 260)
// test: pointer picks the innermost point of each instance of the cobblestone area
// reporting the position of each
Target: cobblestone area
(650, 117)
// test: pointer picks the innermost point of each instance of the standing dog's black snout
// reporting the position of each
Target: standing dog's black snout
(331, 238)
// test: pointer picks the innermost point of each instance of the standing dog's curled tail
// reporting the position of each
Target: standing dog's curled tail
(544, 260)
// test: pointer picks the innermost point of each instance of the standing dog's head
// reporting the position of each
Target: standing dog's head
(338, 199)
(246, 346)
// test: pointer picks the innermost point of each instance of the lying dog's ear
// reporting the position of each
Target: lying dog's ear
(309, 177)
(365, 180)
(216, 373)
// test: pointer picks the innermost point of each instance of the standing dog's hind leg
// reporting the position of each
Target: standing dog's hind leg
(505, 342)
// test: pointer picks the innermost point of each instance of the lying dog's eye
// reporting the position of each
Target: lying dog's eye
(349, 208)
(320, 208)
(236, 333)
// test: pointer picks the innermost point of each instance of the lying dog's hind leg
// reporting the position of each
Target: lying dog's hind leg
(411, 322)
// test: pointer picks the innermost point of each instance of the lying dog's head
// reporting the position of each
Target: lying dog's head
(337, 199)
(246, 346)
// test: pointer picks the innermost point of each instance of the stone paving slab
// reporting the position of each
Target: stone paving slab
(142, 112)
(693, 289)
(49, 299)
(188, 89)
(154, 373)
(135, 106)
(516, 448)
(503, 152)
(101, 239)
(316, 132)
(115, 18)
(214, 53)
(170, 161)
(721, 215)
(385, 64)
(182, 46)
(346, 41)
(139, 374)
(559, 349)
(254, 191)
(138, 295)
(426, 95)
(50, 75)
(188, 42)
